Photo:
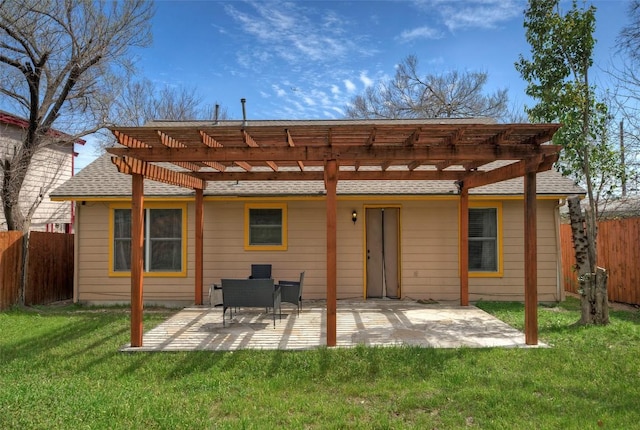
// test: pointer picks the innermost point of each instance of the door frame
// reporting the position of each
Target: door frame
(364, 243)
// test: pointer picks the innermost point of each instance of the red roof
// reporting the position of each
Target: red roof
(8, 118)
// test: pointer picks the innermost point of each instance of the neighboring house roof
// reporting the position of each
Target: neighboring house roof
(622, 207)
(611, 208)
(101, 179)
(11, 119)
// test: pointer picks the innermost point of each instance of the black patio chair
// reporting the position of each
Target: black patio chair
(291, 291)
(260, 271)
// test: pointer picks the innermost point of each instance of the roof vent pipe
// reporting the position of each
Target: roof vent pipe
(215, 115)
(244, 112)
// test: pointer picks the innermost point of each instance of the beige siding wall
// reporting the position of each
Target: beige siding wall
(50, 167)
(429, 252)
(511, 285)
(92, 269)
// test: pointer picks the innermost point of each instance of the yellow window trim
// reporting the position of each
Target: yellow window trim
(150, 205)
(498, 206)
(247, 245)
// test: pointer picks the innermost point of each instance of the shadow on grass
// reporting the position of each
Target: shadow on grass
(65, 332)
(558, 322)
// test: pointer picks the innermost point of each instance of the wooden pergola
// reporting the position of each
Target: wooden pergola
(470, 153)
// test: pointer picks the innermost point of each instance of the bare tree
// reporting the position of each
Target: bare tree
(61, 64)
(629, 37)
(627, 97)
(142, 102)
(410, 95)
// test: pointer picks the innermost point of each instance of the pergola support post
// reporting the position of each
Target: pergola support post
(464, 246)
(530, 259)
(331, 181)
(137, 269)
(199, 243)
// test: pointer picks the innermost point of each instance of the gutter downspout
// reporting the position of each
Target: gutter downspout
(76, 247)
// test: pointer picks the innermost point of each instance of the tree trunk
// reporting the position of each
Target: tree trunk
(592, 284)
(14, 172)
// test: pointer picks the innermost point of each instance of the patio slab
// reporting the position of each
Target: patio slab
(370, 323)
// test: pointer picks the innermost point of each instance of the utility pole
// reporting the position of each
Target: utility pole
(622, 160)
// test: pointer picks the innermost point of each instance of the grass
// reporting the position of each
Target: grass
(60, 368)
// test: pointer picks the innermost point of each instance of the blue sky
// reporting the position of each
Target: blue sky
(307, 59)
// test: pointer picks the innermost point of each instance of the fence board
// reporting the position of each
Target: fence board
(618, 252)
(50, 268)
(10, 267)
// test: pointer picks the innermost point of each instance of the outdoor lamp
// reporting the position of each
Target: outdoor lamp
(354, 216)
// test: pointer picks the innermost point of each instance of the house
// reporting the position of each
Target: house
(368, 208)
(50, 167)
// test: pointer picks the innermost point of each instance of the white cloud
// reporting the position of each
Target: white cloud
(298, 33)
(335, 90)
(279, 91)
(420, 33)
(338, 110)
(366, 80)
(470, 14)
(350, 86)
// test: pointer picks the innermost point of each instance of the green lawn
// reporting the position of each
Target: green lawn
(60, 368)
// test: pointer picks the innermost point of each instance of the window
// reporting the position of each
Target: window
(164, 244)
(484, 240)
(265, 227)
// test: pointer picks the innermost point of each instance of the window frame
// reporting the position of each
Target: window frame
(499, 242)
(148, 206)
(284, 236)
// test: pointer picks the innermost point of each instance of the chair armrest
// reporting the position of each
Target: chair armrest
(289, 283)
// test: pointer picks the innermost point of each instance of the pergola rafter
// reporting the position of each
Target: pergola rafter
(348, 155)
(464, 151)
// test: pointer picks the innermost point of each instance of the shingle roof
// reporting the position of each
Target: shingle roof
(101, 179)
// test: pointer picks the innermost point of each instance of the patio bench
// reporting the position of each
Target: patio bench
(248, 293)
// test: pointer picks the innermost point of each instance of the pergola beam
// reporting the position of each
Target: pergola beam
(510, 171)
(351, 154)
(134, 166)
(128, 141)
(345, 175)
(170, 142)
(291, 145)
(250, 141)
(211, 142)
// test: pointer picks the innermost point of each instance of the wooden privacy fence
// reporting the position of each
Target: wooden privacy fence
(618, 252)
(10, 267)
(49, 269)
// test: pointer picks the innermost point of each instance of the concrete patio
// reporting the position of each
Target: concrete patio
(370, 323)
